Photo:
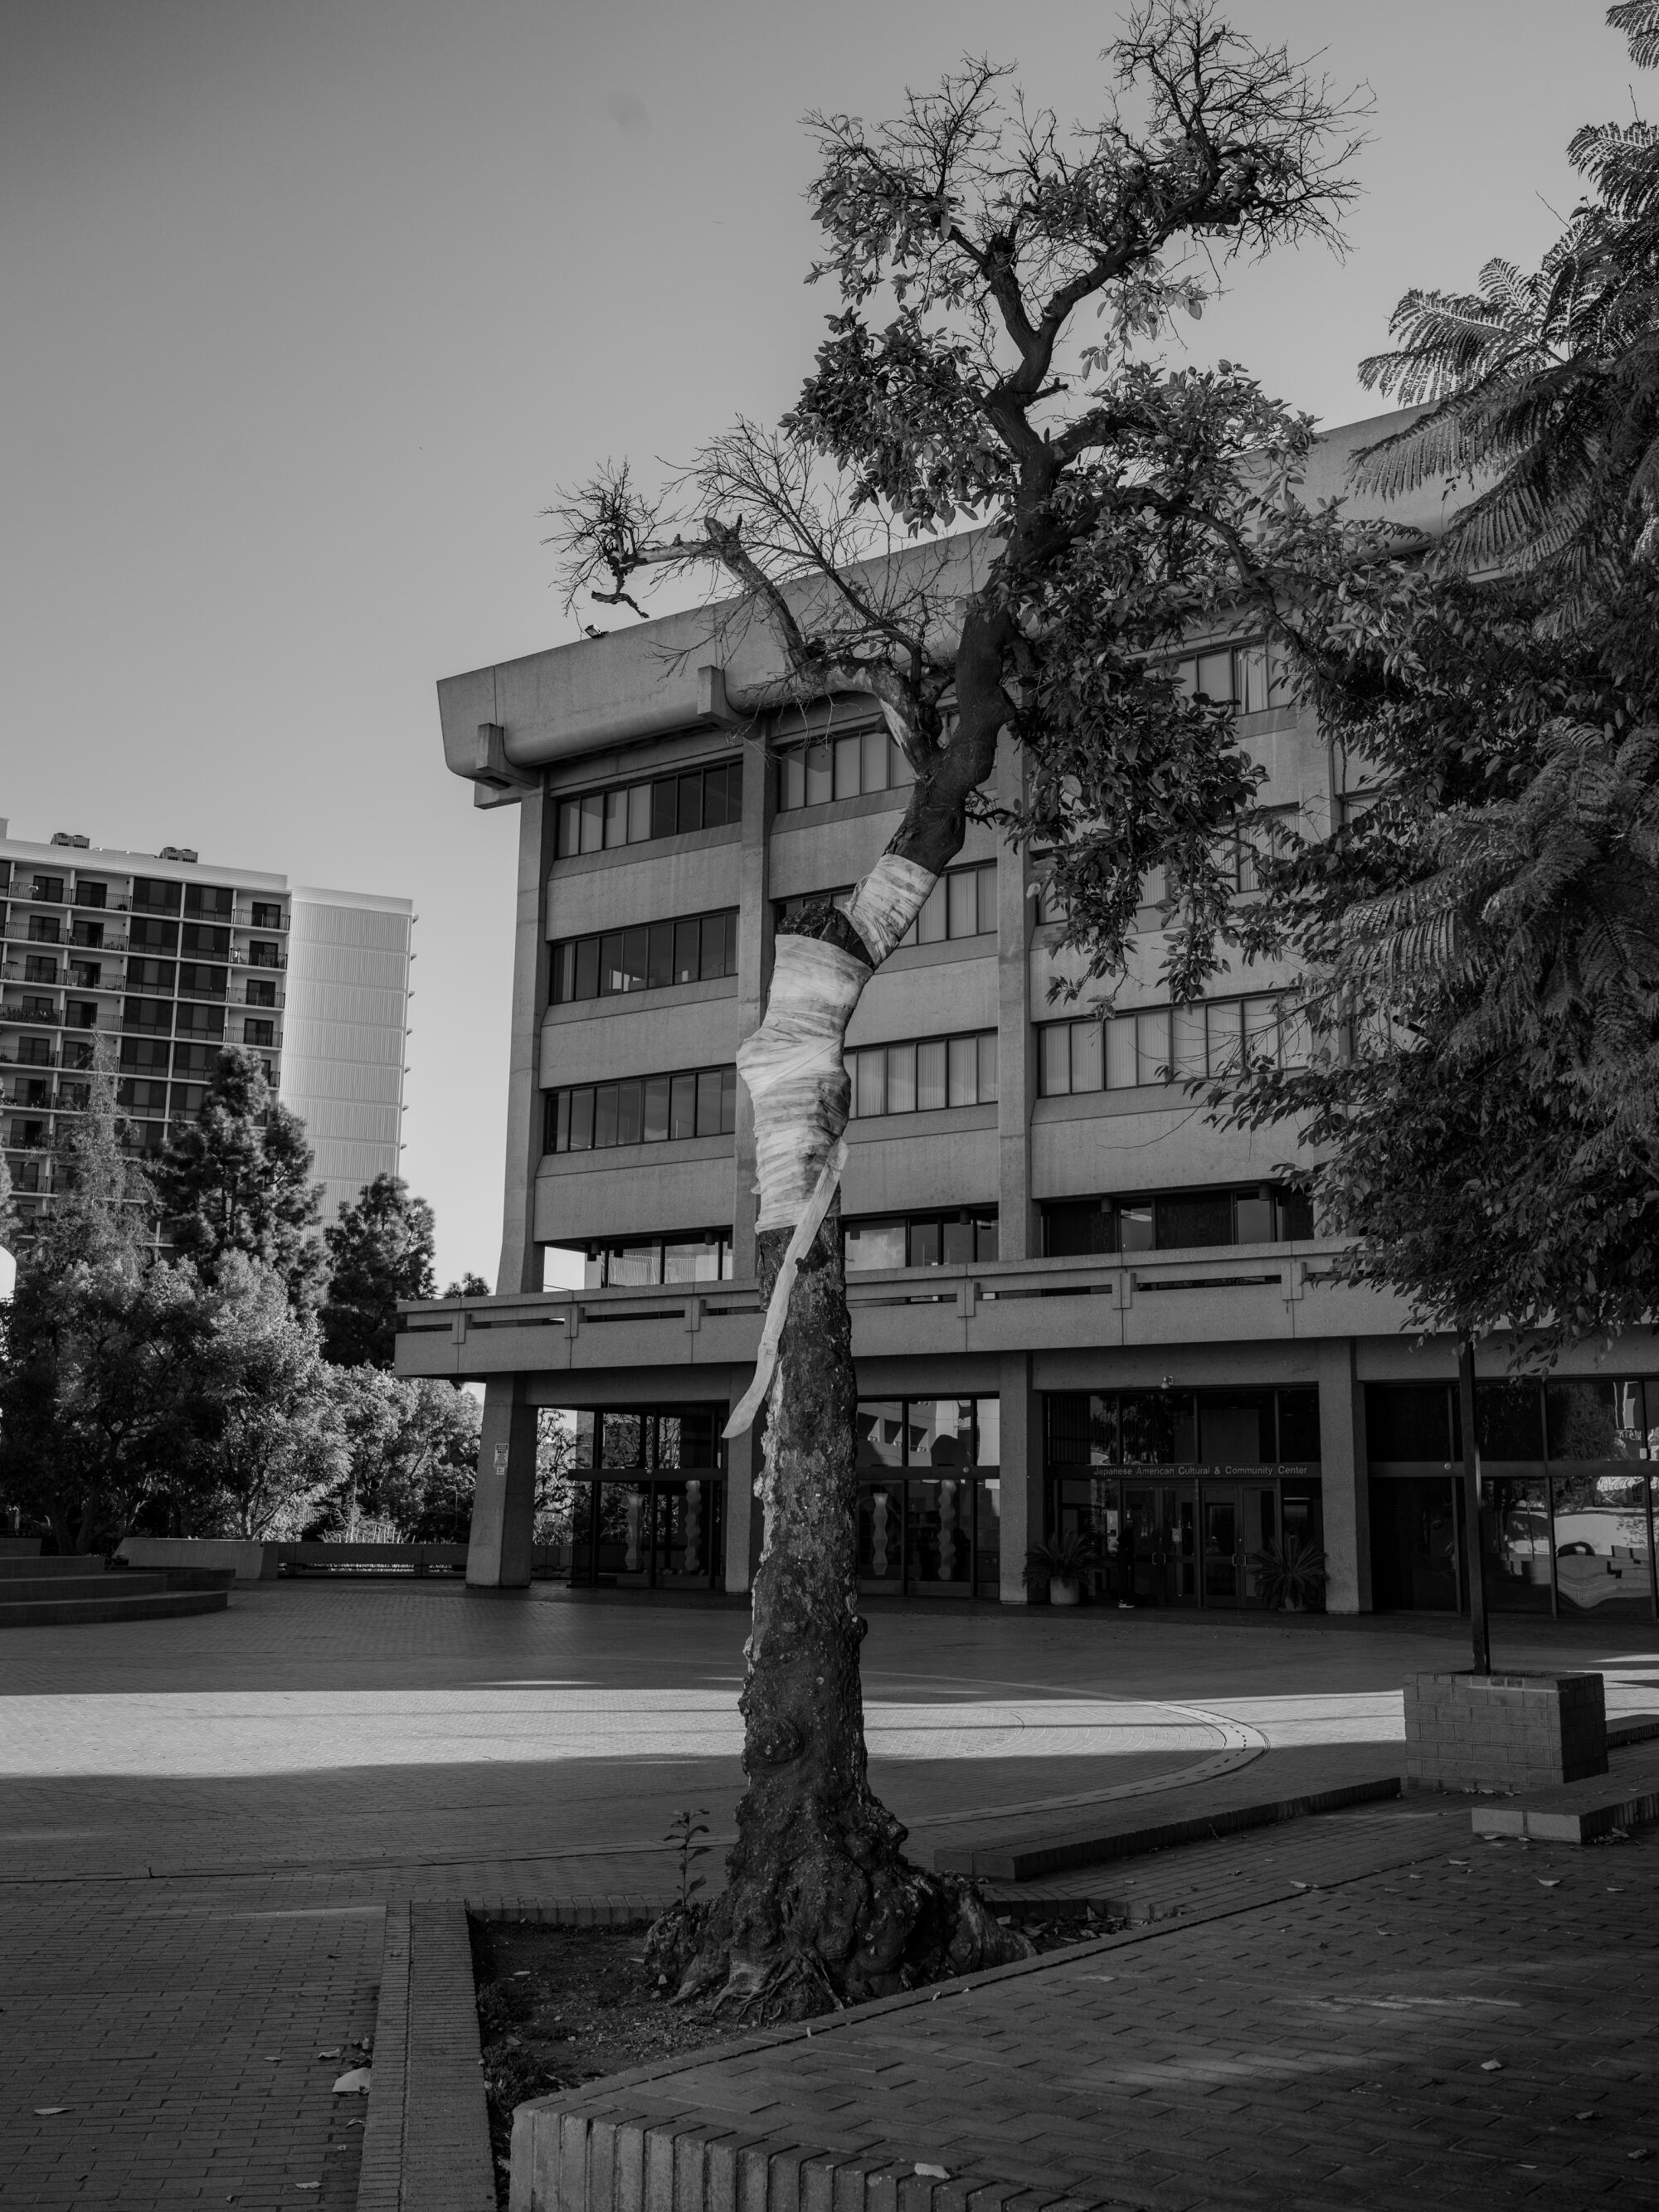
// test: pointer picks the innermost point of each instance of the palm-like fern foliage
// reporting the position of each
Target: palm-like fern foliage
(1543, 387)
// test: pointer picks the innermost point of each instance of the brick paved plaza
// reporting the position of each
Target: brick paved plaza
(213, 1829)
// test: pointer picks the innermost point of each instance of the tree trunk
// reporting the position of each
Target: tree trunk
(822, 1908)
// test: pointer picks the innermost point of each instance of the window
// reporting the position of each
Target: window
(201, 981)
(846, 765)
(150, 935)
(187, 1097)
(48, 888)
(1249, 840)
(159, 896)
(140, 1095)
(149, 975)
(926, 1434)
(206, 937)
(261, 995)
(966, 1238)
(646, 957)
(961, 903)
(643, 1263)
(206, 1021)
(1165, 1044)
(263, 953)
(1230, 1429)
(253, 1032)
(43, 929)
(644, 1109)
(40, 968)
(145, 1054)
(1236, 676)
(924, 1077)
(667, 807)
(85, 973)
(93, 895)
(35, 1009)
(89, 933)
(266, 916)
(82, 1013)
(147, 1014)
(197, 1060)
(1255, 1213)
(209, 898)
(672, 1441)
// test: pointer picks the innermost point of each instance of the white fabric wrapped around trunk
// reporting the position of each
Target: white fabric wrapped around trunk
(794, 1068)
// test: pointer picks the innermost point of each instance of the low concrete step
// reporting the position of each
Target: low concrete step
(72, 1612)
(1028, 1860)
(27, 1590)
(30, 1564)
(1620, 1733)
(1578, 1812)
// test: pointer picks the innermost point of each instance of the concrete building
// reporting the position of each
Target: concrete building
(172, 960)
(1075, 1304)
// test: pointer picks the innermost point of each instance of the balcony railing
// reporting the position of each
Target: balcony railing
(1211, 1295)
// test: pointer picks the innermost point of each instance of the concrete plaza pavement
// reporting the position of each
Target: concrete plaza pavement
(203, 1822)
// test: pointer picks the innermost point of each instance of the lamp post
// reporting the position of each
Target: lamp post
(1477, 1627)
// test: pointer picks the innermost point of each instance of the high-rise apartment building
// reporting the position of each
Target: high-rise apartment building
(1076, 1303)
(171, 960)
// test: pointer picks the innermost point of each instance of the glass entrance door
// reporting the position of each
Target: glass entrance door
(1224, 1544)
(1156, 1546)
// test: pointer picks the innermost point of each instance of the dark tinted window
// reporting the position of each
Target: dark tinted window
(1298, 1425)
(1076, 1231)
(1408, 1420)
(207, 898)
(204, 937)
(1203, 1216)
(1506, 1418)
(161, 896)
(156, 936)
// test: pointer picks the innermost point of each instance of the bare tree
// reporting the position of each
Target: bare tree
(1113, 505)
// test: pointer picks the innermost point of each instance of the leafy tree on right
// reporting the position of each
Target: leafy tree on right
(1482, 936)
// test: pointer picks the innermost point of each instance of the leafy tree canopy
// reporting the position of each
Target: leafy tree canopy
(379, 1250)
(238, 1179)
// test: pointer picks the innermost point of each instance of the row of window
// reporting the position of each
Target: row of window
(641, 1263)
(1181, 1428)
(949, 1434)
(818, 769)
(961, 903)
(666, 806)
(1241, 677)
(1174, 1221)
(965, 1239)
(645, 1110)
(648, 957)
(686, 1437)
(154, 1056)
(1167, 1044)
(1516, 1418)
(924, 1077)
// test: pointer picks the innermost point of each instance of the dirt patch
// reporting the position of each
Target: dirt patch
(561, 2006)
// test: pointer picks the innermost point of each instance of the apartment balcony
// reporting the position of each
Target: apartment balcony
(242, 918)
(239, 959)
(1270, 1293)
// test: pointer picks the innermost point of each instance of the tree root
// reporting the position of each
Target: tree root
(914, 1928)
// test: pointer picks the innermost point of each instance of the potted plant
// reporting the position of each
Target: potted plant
(1060, 1564)
(1292, 1574)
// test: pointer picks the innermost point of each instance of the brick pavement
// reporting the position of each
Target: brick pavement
(1427, 2022)
(280, 1769)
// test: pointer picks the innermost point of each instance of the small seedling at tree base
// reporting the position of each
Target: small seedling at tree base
(687, 1825)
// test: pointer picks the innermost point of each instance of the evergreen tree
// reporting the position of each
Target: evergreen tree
(379, 1250)
(97, 1342)
(238, 1179)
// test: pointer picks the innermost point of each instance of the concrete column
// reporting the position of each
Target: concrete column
(1015, 1038)
(520, 1266)
(755, 935)
(743, 1466)
(1021, 1472)
(504, 1502)
(1343, 1465)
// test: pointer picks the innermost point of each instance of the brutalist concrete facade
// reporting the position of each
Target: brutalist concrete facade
(1237, 1361)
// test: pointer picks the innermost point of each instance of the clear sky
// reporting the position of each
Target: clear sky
(310, 305)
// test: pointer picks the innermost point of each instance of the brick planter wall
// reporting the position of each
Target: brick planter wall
(1504, 1732)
